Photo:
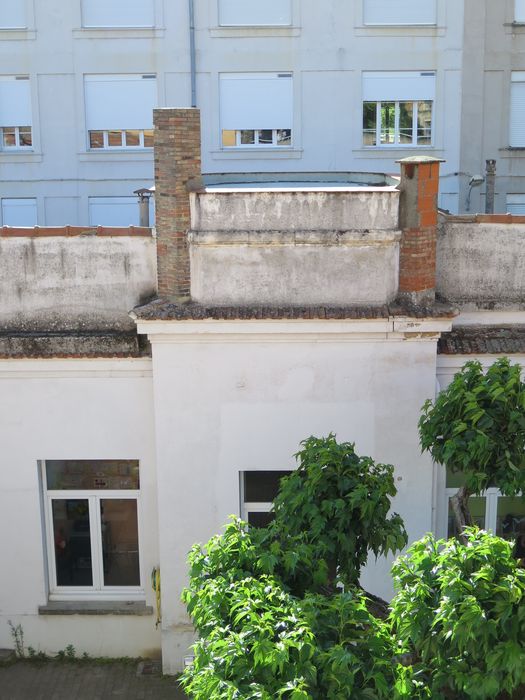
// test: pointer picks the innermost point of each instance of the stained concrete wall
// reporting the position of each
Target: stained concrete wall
(481, 264)
(84, 282)
(298, 247)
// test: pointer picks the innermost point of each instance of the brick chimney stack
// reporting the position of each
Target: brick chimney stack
(418, 218)
(177, 172)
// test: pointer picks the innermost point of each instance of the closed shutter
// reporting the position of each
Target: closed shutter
(255, 12)
(516, 204)
(517, 110)
(13, 14)
(19, 212)
(256, 101)
(118, 13)
(15, 101)
(113, 211)
(120, 101)
(519, 13)
(401, 12)
(392, 87)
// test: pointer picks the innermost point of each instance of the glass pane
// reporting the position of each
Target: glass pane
(424, 123)
(9, 136)
(369, 123)
(25, 136)
(115, 138)
(96, 139)
(265, 137)
(228, 138)
(284, 137)
(262, 487)
(72, 542)
(406, 124)
(148, 138)
(120, 542)
(388, 122)
(77, 474)
(259, 519)
(247, 137)
(132, 138)
(477, 505)
(510, 522)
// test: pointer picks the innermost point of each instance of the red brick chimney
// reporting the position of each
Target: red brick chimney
(177, 172)
(418, 220)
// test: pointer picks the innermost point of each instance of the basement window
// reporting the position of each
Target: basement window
(258, 490)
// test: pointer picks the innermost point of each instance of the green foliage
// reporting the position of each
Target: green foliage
(460, 611)
(477, 426)
(17, 635)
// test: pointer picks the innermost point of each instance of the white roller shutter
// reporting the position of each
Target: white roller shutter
(113, 211)
(118, 13)
(519, 12)
(401, 12)
(409, 86)
(517, 110)
(19, 212)
(120, 101)
(516, 204)
(255, 12)
(256, 101)
(12, 14)
(15, 101)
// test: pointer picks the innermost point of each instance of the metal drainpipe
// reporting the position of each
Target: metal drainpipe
(192, 55)
(490, 179)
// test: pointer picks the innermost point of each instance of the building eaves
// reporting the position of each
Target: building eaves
(483, 340)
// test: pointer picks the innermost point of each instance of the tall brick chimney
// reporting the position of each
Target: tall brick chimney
(177, 172)
(418, 220)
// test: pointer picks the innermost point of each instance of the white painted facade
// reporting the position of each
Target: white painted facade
(325, 50)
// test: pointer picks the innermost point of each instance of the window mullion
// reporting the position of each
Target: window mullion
(50, 541)
(415, 111)
(378, 124)
(96, 542)
(397, 139)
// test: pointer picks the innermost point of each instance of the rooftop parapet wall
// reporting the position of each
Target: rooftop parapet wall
(57, 283)
(481, 261)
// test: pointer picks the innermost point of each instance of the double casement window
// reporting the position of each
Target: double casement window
(118, 13)
(258, 490)
(19, 212)
(517, 110)
(15, 113)
(519, 11)
(119, 111)
(516, 204)
(91, 514)
(398, 109)
(399, 12)
(244, 13)
(13, 15)
(256, 110)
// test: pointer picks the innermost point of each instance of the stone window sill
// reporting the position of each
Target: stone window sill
(250, 32)
(399, 30)
(118, 33)
(513, 152)
(17, 34)
(94, 607)
(257, 154)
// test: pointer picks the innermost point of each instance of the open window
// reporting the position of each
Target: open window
(517, 110)
(399, 12)
(118, 13)
(258, 490)
(119, 111)
(245, 13)
(16, 133)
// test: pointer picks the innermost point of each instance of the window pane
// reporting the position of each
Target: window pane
(284, 137)
(76, 474)
(262, 487)
(369, 123)
(9, 136)
(477, 507)
(388, 122)
(424, 123)
(148, 138)
(132, 138)
(406, 124)
(26, 138)
(72, 542)
(247, 137)
(120, 542)
(265, 137)
(259, 519)
(228, 138)
(114, 138)
(96, 139)
(511, 517)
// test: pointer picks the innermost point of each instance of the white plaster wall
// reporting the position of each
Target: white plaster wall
(71, 409)
(252, 392)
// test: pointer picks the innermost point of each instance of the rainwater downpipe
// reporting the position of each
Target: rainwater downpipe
(192, 55)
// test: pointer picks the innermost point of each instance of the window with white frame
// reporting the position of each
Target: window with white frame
(399, 12)
(19, 211)
(519, 11)
(16, 132)
(91, 516)
(516, 204)
(119, 111)
(503, 515)
(12, 14)
(517, 110)
(256, 110)
(398, 108)
(118, 13)
(258, 490)
(243, 13)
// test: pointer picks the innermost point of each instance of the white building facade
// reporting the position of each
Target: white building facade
(287, 85)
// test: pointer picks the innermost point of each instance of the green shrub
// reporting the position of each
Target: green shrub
(460, 611)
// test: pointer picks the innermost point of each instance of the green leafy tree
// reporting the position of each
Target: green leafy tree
(476, 426)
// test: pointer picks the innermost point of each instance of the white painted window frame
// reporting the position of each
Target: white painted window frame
(122, 147)
(256, 144)
(492, 495)
(397, 143)
(18, 146)
(97, 591)
(247, 507)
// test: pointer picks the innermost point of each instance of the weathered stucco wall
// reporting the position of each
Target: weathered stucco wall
(481, 263)
(63, 282)
(297, 247)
